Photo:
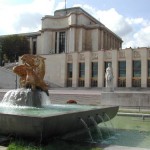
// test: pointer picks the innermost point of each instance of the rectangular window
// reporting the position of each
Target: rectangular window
(148, 68)
(81, 74)
(122, 69)
(56, 42)
(94, 69)
(148, 73)
(94, 74)
(62, 40)
(69, 75)
(122, 74)
(69, 70)
(136, 68)
(81, 70)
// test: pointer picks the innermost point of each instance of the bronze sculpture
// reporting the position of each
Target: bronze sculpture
(32, 72)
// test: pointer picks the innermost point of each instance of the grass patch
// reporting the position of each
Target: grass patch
(55, 145)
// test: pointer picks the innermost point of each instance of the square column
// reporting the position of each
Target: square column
(87, 69)
(101, 69)
(81, 40)
(144, 68)
(115, 67)
(71, 40)
(63, 70)
(75, 70)
(101, 39)
(31, 45)
(128, 55)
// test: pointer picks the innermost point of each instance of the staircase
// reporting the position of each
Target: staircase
(7, 77)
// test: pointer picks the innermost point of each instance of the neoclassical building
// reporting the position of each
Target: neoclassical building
(78, 47)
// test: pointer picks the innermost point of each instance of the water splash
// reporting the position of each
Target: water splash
(26, 97)
(101, 118)
(96, 126)
(109, 120)
(87, 129)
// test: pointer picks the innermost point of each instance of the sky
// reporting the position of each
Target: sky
(129, 19)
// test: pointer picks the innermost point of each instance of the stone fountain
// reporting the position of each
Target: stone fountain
(28, 112)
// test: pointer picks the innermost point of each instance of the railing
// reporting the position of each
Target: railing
(94, 82)
(121, 82)
(81, 82)
(136, 82)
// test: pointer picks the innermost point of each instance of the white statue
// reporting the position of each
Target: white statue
(109, 76)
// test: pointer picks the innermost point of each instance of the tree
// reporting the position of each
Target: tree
(14, 46)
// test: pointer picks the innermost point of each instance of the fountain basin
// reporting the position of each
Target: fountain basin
(50, 121)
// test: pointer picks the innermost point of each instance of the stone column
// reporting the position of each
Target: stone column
(46, 42)
(144, 68)
(81, 46)
(75, 70)
(72, 40)
(101, 69)
(57, 50)
(115, 67)
(87, 69)
(102, 39)
(31, 45)
(128, 55)
(95, 40)
(63, 71)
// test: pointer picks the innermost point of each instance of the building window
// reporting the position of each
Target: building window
(69, 74)
(94, 74)
(34, 47)
(81, 74)
(62, 42)
(149, 68)
(122, 74)
(137, 68)
(81, 70)
(56, 41)
(136, 80)
(148, 80)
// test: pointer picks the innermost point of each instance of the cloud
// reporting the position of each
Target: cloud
(24, 17)
(141, 34)
(142, 37)
(114, 21)
(19, 18)
(135, 32)
(27, 22)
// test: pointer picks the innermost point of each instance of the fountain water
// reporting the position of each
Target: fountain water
(27, 111)
(87, 128)
(96, 126)
(109, 119)
(26, 97)
(101, 118)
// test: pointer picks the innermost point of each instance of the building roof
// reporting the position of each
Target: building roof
(67, 11)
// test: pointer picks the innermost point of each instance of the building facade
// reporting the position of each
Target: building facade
(78, 48)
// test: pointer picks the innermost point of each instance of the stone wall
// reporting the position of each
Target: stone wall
(126, 99)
